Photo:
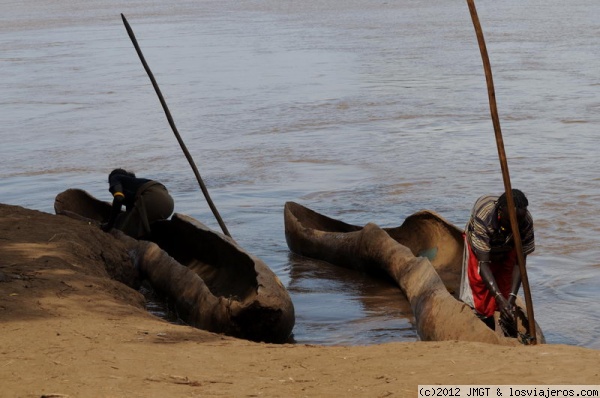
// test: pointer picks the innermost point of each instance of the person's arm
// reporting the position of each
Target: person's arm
(488, 278)
(117, 204)
(516, 283)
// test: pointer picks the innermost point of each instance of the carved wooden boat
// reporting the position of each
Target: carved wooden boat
(423, 256)
(214, 283)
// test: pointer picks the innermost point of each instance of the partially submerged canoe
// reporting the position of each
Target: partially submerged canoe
(423, 256)
(214, 283)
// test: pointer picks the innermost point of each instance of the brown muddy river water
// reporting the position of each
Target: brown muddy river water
(363, 111)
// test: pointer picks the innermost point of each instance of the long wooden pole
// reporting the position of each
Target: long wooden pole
(172, 124)
(504, 166)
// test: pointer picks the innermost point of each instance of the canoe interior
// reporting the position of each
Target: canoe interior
(425, 233)
(227, 271)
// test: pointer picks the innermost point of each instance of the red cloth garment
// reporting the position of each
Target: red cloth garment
(483, 300)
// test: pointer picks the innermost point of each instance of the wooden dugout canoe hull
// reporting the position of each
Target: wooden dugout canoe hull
(214, 283)
(423, 256)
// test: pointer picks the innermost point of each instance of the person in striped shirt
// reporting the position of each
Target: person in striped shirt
(491, 275)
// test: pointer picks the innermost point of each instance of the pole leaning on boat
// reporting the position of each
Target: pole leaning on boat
(504, 166)
(174, 128)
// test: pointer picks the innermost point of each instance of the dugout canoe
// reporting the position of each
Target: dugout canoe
(423, 256)
(214, 283)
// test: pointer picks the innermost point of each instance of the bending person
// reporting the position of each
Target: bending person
(491, 275)
(146, 201)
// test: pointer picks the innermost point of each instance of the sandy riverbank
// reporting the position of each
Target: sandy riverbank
(69, 330)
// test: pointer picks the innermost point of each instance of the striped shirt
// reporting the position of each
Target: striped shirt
(484, 234)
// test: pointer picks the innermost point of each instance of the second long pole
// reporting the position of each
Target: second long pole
(504, 166)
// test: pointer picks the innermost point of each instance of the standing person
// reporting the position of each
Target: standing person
(146, 201)
(491, 275)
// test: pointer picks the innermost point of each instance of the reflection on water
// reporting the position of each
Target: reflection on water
(364, 112)
(347, 307)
